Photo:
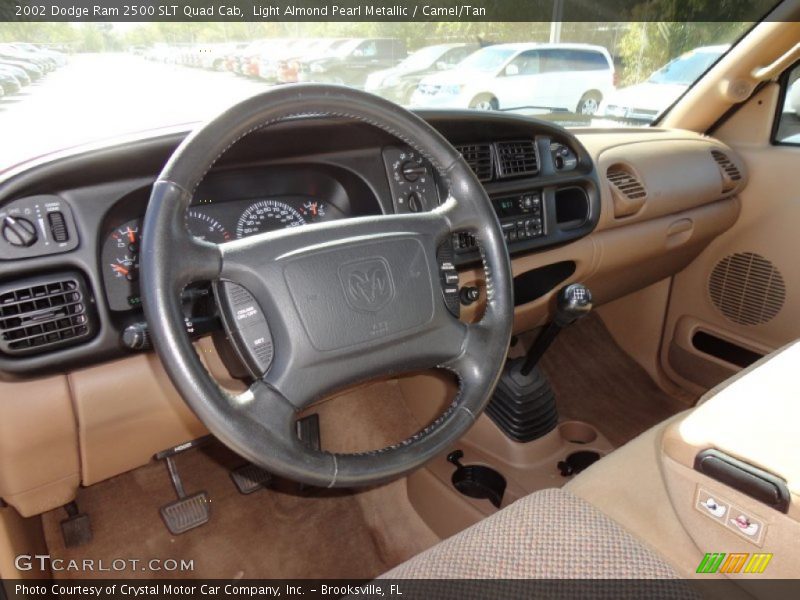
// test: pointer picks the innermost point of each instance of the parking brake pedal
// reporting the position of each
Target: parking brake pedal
(189, 510)
(76, 528)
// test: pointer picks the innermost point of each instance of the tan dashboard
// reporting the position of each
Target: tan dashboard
(664, 196)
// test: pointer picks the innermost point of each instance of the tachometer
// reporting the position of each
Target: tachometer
(267, 215)
(206, 228)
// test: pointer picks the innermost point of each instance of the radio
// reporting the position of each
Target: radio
(521, 218)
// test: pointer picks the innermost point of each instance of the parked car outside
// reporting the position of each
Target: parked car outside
(58, 58)
(31, 70)
(44, 63)
(246, 60)
(8, 83)
(17, 72)
(555, 77)
(288, 66)
(400, 82)
(353, 61)
(645, 101)
(270, 57)
(213, 56)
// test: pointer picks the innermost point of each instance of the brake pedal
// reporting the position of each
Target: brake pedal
(189, 510)
(76, 528)
(250, 478)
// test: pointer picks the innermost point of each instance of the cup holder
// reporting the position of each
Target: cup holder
(477, 481)
(577, 462)
(577, 432)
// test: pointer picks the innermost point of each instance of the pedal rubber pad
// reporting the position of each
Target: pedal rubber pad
(250, 478)
(187, 513)
(77, 530)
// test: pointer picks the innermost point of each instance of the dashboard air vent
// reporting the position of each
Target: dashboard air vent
(39, 314)
(515, 159)
(626, 182)
(730, 172)
(479, 159)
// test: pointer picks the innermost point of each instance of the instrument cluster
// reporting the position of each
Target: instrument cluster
(215, 222)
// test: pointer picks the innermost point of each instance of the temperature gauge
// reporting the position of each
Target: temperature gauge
(120, 261)
(313, 210)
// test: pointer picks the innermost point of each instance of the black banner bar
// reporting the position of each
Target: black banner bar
(383, 10)
(398, 589)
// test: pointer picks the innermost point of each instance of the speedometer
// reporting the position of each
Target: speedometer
(267, 215)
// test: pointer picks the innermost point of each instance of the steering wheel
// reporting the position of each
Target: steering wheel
(345, 301)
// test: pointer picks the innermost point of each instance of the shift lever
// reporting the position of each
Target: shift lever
(573, 302)
(523, 405)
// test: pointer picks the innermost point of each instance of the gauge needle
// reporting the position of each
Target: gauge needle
(120, 269)
(131, 236)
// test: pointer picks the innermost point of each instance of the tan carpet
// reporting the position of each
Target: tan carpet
(275, 533)
(596, 381)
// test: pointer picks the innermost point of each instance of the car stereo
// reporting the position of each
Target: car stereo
(521, 218)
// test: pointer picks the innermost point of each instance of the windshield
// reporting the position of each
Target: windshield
(66, 84)
(687, 68)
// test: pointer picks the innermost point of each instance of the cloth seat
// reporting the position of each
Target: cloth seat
(550, 534)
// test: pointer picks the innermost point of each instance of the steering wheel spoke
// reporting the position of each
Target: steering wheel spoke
(184, 257)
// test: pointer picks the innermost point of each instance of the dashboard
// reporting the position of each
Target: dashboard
(76, 224)
(71, 226)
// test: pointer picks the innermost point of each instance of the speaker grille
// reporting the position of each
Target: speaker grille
(747, 288)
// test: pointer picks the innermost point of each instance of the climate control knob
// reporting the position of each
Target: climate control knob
(19, 232)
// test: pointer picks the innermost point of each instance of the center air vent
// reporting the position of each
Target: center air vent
(39, 314)
(730, 172)
(479, 159)
(515, 159)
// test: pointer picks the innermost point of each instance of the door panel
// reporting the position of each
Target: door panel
(741, 297)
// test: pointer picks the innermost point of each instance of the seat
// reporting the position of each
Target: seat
(549, 534)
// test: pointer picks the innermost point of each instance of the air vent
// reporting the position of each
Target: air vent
(626, 182)
(730, 172)
(479, 159)
(515, 159)
(747, 288)
(44, 313)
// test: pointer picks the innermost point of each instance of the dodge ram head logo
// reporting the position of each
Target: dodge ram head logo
(367, 283)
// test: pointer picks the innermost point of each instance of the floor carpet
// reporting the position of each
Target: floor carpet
(274, 533)
(597, 382)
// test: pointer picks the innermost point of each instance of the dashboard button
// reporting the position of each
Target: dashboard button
(19, 232)
(256, 340)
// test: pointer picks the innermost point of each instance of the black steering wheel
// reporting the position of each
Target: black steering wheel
(345, 301)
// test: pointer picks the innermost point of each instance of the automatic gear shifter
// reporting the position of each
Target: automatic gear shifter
(523, 405)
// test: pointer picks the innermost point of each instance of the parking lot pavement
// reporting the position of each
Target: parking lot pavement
(100, 96)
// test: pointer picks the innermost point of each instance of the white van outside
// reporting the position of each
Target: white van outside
(569, 77)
